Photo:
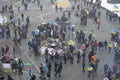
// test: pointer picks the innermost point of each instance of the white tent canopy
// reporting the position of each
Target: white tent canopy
(3, 19)
(63, 4)
(115, 8)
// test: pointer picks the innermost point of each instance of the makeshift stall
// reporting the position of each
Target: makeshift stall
(51, 51)
(6, 67)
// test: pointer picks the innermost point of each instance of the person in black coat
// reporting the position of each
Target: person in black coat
(33, 77)
(9, 77)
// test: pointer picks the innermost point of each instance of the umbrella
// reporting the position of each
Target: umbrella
(36, 32)
(105, 79)
(51, 23)
(55, 24)
(28, 64)
(71, 43)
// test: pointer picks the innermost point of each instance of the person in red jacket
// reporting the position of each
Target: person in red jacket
(2, 51)
(95, 44)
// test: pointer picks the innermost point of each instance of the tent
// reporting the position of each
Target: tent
(115, 8)
(63, 4)
(3, 19)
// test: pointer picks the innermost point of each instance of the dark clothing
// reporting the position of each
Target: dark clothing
(10, 78)
(58, 69)
(22, 16)
(83, 66)
(78, 57)
(33, 77)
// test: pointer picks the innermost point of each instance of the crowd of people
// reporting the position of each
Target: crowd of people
(58, 33)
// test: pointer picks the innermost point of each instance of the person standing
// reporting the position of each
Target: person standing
(42, 73)
(83, 55)
(119, 19)
(6, 7)
(3, 9)
(69, 14)
(9, 77)
(105, 45)
(95, 44)
(28, 20)
(71, 58)
(98, 23)
(83, 66)
(56, 8)
(110, 46)
(6, 49)
(78, 56)
(18, 9)
(31, 72)
(14, 51)
(22, 16)
(2, 51)
(19, 23)
(64, 58)
(49, 76)
(58, 69)
(60, 66)
(33, 77)
(41, 8)
(99, 14)
(75, 2)
(20, 67)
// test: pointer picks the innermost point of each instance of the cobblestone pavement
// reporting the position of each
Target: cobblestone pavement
(70, 72)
